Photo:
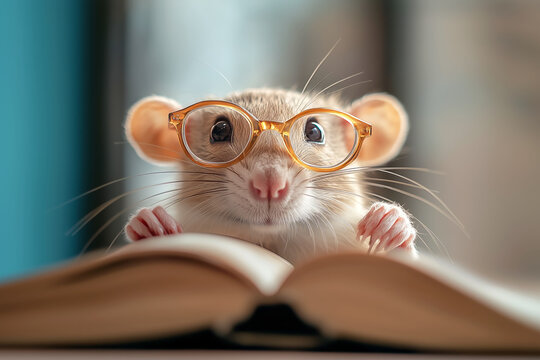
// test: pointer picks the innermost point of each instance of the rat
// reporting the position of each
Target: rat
(267, 198)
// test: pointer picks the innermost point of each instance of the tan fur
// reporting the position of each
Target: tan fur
(148, 132)
(316, 216)
(391, 125)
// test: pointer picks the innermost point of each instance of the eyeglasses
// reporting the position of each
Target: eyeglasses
(217, 133)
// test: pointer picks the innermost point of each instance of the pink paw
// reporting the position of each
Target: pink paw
(149, 223)
(387, 227)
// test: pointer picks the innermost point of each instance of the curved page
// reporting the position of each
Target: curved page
(380, 300)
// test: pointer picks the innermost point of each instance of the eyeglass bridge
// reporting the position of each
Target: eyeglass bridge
(270, 125)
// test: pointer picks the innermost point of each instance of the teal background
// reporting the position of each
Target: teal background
(43, 98)
(466, 71)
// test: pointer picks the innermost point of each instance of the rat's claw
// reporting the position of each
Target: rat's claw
(150, 223)
(387, 226)
(167, 221)
(136, 230)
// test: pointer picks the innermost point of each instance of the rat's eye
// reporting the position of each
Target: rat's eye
(314, 132)
(222, 130)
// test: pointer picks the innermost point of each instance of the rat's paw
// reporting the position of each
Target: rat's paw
(149, 223)
(387, 227)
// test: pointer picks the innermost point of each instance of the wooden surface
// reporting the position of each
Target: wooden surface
(225, 355)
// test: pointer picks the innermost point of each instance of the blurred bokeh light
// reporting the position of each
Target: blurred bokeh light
(467, 72)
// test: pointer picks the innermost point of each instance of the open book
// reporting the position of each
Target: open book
(186, 283)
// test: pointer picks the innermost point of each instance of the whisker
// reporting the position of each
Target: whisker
(176, 201)
(325, 219)
(436, 240)
(115, 239)
(112, 182)
(362, 169)
(448, 214)
(287, 238)
(319, 65)
(201, 206)
(414, 196)
(346, 181)
(399, 183)
(456, 220)
(120, 213)
(345, 192)
(349, 86)
(430, 171)
(123, 227)
(117, 215)
(317, 218)
(380, 197)
(306, 98)
(92, 214)
(321, 80)
(235, 173)
(332, 85)
(219, 73)
(312, 236)
(440, 245)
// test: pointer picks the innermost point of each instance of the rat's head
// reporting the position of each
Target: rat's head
(267, 188)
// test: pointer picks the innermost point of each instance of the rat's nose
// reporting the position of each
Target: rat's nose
(269, 185)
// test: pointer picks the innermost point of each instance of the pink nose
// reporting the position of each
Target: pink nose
(269, 186)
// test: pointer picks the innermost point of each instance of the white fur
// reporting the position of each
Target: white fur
(307, 221)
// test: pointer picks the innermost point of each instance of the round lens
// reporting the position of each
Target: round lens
(216, 134)
(323, 140)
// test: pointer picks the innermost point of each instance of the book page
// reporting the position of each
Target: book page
(264, 268)
(524, 308)
(422, 304)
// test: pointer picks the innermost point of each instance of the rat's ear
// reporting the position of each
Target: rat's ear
(390, 125)
(147, 129)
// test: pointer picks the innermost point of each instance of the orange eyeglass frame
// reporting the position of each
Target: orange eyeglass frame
(363, 130)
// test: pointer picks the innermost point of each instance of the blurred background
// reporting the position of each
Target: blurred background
(468, 73)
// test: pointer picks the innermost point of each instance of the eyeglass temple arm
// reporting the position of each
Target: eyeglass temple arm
(176, 117)
(364, 129)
